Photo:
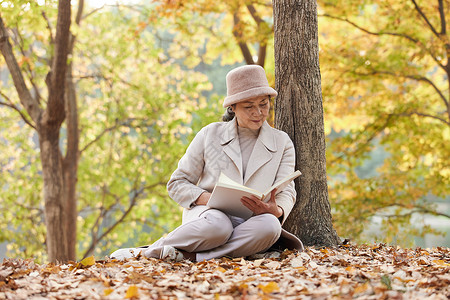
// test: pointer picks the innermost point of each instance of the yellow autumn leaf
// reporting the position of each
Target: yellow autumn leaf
(223, 270)
(108, 291)
(88, 261)
(324, 250)
(269, 288)
(131, 292)
(242, 287)
(441, 263)
(350, 269)
(361, 288)
(51, 269)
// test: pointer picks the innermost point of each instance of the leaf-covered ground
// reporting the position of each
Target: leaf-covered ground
(348, 272)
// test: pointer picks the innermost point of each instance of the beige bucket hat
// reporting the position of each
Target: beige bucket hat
(247, 82)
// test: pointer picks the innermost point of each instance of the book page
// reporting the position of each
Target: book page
(225, 181)
(227, 195)
(229, 201)
(280, 185)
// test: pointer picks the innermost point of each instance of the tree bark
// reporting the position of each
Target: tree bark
(70, 163)
(299, 112)
(55, 190)
(52, 171)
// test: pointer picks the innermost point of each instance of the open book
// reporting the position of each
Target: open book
(227, 195)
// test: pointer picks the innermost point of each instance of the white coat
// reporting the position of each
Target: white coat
(216, 149)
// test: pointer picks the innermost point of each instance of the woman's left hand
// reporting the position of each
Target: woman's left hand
(259, 207)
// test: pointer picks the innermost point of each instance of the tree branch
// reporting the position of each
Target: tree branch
(377, 128)
(254, 14)
(414, 77)
(243, 46)
(262, 53)
(55, 112)
(71, 108)
(423, 115)
(402, 35)
(105, 131)
(30, 104)
(124, 215)
(49, 27)
(133, 7)
(263, 43)
(419, 10)
(11, 105)
(422, 209)
(79, 16)
(92, 12)
(442, 15)
(20, 42)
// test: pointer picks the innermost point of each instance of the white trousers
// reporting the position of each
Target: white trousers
(214, 234)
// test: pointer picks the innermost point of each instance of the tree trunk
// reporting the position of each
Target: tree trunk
(70, 165)
(60, 175)
(55, 216)
(72, 155)
(299, 112)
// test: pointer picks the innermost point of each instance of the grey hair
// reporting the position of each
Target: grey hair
(228, 115)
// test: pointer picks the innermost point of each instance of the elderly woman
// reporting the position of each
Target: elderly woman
(246, 149)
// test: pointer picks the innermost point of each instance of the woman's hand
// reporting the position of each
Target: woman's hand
(203, 198)
(259, 207)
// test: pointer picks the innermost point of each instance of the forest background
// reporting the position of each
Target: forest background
(150, 75)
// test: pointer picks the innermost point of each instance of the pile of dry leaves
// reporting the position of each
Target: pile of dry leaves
(356, 272)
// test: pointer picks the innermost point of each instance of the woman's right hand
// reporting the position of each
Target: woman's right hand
(203, 198)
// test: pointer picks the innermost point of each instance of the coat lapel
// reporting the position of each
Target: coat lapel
(262, 151)
(231, 147)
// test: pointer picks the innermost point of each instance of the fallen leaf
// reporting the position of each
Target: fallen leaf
(350, 269)
(273, 265)
(313, 265)
(87, 262)
(441, 263)
(269, 288)
(258, 262)
(108, 291)
(361, 288)
(386, 281)
(356, 271)
(297, 262)
(131, 292)
(220, 269)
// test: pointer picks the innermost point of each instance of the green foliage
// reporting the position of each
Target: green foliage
(140, 108)
(137, 112)
(21, 201)
(21, 205)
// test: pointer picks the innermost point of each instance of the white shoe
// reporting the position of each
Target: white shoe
(169, 253)
(125, 253)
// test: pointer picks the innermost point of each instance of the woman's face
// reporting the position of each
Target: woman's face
(253, 112)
